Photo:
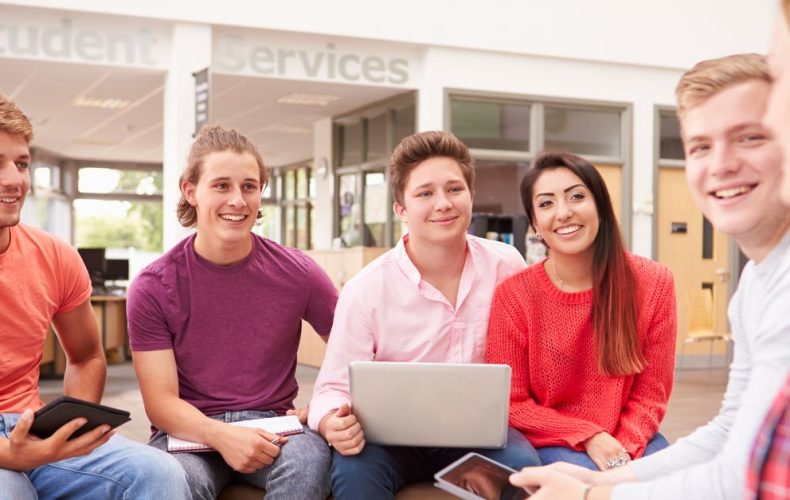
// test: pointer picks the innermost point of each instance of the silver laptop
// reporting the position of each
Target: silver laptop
(431, 404)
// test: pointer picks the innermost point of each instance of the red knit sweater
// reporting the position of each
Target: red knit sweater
(558, 396)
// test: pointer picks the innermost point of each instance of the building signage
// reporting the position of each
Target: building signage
(40, 35)
(306, 57)
(201, 99)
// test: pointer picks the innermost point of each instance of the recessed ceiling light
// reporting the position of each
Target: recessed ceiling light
(308, 99)
(100, 102)
(287, 129)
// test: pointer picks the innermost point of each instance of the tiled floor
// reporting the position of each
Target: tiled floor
(695, 398)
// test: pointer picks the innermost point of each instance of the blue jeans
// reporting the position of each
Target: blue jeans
(299, 472)
(381, 471)
(551, 454)
(119, 469)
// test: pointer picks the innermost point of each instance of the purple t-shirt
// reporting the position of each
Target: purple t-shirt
(234, 329)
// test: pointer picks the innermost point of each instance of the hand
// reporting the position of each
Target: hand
(26, 451)
(301, 413)
(546, 483)
(246, 449)
(602, 447)
(343, 431)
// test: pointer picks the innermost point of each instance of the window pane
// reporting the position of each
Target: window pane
(377, 138)
(290, 227)
(671, 146)
(405, 121)
(112, 180)
(491, 125)
(135, 226)
(301, 183)
(376, 210)
(289, 184)
(46, 176)
(267, 225)
(351, 143)
(302, 237)
(348, 209)
(583, 131)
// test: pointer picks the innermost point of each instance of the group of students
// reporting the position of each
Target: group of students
(589, 332)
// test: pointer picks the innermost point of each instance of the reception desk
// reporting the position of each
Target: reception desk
(110, 313)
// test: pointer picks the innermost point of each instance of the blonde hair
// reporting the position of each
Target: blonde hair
(13, 121)
(708, 78)
(786, 8)
(214, 139)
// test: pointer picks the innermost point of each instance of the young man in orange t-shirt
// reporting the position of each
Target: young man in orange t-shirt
(43, 280)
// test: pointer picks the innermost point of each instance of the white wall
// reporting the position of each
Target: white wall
(670, 33)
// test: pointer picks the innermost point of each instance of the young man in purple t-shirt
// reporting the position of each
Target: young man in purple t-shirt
(214, 325)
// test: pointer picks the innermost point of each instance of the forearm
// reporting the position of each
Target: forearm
(85, 380)
(174, 416)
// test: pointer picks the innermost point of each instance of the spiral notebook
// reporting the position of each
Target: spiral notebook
(283, 426)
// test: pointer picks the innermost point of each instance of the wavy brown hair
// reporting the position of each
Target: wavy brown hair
(214, 139)
(614, 313)
(13, 121)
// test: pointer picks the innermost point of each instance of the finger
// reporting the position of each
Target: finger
(88, 441)
(531, 477)
(342, 423)
(343, 411)
(22, 427)
(66, 430)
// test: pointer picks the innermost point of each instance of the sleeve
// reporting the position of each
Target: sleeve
(147, 322)
(712, 461)
(647, 402)
(75, 284)
(507, 345)
(320, 310)
(351, 339)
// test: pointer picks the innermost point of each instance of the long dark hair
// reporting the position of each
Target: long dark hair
(614, 302)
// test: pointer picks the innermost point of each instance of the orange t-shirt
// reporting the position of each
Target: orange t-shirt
(40, 276)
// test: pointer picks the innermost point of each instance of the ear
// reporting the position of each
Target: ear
(400, 212)
(188, 190)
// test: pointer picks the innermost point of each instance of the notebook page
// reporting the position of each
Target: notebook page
(284, 426)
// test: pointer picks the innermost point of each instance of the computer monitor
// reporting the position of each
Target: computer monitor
(95, 263)
(117, 270)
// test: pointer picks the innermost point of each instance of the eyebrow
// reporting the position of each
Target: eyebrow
(227, 178)
(564, 191)
(431, 184)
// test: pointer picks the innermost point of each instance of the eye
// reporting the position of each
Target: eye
(697, 149)
(457, 189)
(22, 165)
(577, 196)
(423, 194)
(221, 185)
(751, 138)
(251, 186)
(544, 204)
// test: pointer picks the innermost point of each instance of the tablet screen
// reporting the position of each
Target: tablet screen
(483, 478)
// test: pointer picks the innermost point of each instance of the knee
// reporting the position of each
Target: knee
(162, 471)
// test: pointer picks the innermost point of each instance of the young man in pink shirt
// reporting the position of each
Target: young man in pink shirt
(426, 300)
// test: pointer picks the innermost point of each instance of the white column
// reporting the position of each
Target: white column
(430, 97)
(642, 180)
(191, 52)
(324, 185)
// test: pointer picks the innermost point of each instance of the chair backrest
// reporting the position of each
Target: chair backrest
(700, 311)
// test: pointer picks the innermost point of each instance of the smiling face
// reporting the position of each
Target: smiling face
(14, 182)
(565, 212)
(227, 197)
(437, 204)
(733, 166)
(777, 117)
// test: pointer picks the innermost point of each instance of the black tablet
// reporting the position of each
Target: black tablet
(64, 409)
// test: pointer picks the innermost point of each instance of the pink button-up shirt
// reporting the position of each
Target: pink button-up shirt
(388, 313)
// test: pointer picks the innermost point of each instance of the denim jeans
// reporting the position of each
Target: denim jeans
(551, 454)
(381, 471)
(119, 469)
(299, 472)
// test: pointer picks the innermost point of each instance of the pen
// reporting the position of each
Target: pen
(276, 440)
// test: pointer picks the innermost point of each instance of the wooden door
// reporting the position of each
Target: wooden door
(697, 255)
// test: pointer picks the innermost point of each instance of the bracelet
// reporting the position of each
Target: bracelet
(586, 492)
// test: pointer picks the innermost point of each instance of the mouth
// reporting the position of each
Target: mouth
(566, 230)
(732, 192)
(445, 220)
(233, 217)
(9, 199)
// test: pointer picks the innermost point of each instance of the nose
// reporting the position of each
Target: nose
(564, 210)
(10, 176)
(724, 160)
(236, 199)
(442, 201)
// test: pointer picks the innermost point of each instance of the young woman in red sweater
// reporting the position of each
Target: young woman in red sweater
(589, 332)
